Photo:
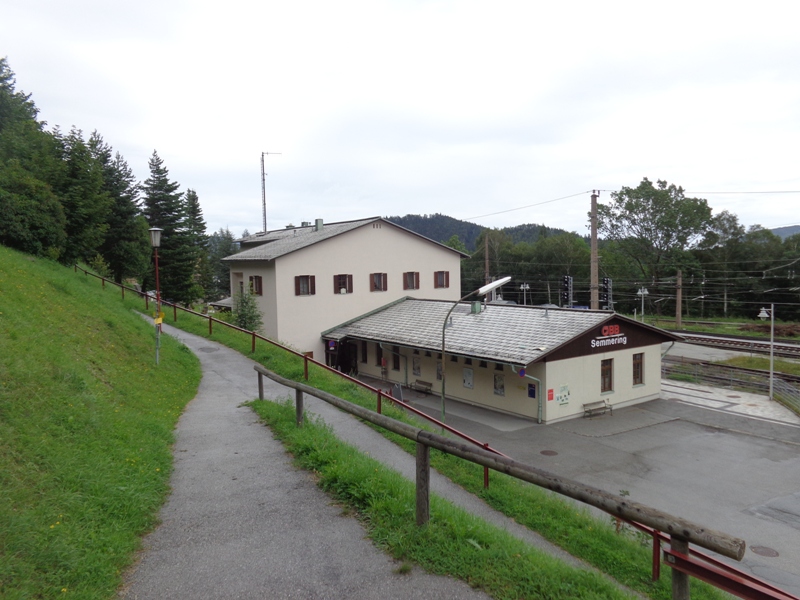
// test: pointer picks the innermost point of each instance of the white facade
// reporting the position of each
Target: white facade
(375, 246)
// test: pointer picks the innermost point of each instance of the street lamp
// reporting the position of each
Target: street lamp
(524, 287)
(482, 291)
(763, 315)
(155, 242)
(642, 292)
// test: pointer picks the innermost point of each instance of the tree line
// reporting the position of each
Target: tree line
(647, 234)
(71, 198)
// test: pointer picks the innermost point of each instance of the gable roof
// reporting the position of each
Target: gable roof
(510, 334)
(277, 243)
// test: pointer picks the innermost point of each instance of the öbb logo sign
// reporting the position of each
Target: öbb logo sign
(610, 330)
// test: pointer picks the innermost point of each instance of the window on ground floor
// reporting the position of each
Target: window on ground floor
(363, 351)
(395, 358)
(638, 368)
(607, 375)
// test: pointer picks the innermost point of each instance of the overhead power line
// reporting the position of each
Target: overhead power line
(500, 212)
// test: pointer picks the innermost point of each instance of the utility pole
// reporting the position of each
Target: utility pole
(678, 300)
(486, 257)
(594, 302)
(264, 189)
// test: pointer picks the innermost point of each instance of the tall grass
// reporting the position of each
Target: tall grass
(86, 421)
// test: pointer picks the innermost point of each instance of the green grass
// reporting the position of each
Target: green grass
(86, 422)
(557, 519)
(761, 363)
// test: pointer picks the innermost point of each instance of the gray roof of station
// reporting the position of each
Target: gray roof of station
(277, 243)
(502, 333)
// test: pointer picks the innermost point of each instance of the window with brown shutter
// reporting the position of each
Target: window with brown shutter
(342, 284)
(441, 279)
(304, 285)
(411, 280)
(378, 282)
(256, 286)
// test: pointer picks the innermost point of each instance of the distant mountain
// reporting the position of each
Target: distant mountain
(785, 232)
(441, 228)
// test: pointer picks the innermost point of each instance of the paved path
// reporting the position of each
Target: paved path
(242, 522)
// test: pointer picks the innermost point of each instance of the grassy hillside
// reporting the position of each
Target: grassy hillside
(86, 421)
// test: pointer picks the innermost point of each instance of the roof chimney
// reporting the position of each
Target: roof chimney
(318, 225)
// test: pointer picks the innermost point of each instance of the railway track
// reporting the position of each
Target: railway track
(782, 348)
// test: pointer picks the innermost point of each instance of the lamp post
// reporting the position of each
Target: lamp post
(763, 315)
(524, 287)
(642, 292)
(482, 291)
(155, 242)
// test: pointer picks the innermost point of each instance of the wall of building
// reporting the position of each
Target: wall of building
(374, 248)
(573, 382)
(576, 381)
(240, 279)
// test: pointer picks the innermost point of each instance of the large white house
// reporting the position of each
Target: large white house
(542, 363)
(309, 278)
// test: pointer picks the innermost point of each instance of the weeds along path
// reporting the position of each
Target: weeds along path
(243, 522)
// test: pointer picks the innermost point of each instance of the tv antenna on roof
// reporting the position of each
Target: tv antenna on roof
(264, 189)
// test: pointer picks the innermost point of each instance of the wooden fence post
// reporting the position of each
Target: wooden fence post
(253, 344)
(298, 407)
(423, 483)
(174, 312)
(210, 325)
(680, 580)
(260, 386)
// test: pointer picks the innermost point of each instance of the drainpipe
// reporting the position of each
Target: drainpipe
(663, 354)
(539, 391)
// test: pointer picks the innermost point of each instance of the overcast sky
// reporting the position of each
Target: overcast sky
(470, 109)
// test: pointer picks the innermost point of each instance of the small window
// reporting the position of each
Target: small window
(411, 280)
(363, 351)
(256, 286)
(342, 284)
(441, 279)
(498, 366)
(607, 375)
(395, 358)
(304, 285)
(454, 358)
(415, 352)
(427, 353)
(638, 368)
(379, 362)
(483, 364)
(467, 361)
(377, 282)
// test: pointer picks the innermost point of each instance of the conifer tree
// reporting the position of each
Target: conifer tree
(221, 244)
(126, 248)
(164, 207)
(196, 228)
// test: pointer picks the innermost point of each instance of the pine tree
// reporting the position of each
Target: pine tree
(245, 311)
(196, 228)
(220, 245)
(164, 207)
(86, 204)
(126, 248)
